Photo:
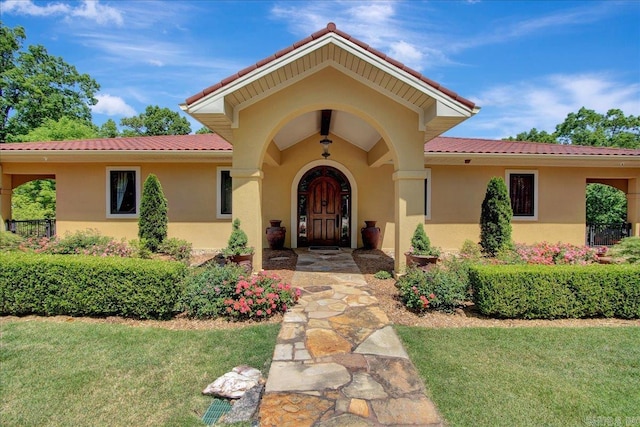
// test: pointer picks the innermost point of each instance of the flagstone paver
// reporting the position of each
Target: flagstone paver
(338, 361)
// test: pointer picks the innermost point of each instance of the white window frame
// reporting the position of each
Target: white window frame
(136, 170)
(427, 215)
(219, 213)
(536, 199)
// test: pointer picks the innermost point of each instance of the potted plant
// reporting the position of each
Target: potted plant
(421, 254)
(237, 250)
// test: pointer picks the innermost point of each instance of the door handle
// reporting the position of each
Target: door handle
(337, 220)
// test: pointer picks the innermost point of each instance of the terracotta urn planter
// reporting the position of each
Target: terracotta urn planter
(276, 234)
(370, 235)
(245, 261)
(423, 262)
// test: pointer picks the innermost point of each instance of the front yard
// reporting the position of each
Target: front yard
(89, 374)
(80, 372)
(530, 376)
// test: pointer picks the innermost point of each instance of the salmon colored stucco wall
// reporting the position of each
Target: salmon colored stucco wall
(458, 192)
(374, 186)
(190, 189)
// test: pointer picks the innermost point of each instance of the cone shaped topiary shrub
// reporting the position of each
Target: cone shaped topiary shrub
(237, 244)
(420, 243)
(152, 225)
(495, 218)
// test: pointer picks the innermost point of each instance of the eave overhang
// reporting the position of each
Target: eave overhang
(533, 160)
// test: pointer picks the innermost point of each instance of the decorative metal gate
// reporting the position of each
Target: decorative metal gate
(607, 234)
(32, 227)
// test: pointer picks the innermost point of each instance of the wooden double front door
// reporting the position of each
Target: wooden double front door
(324, 208)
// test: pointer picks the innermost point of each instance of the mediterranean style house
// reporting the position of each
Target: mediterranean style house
(323, 135)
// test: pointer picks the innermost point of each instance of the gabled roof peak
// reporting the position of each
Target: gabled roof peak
(330, 28)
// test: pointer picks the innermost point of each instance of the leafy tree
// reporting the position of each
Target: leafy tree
(495, 218)
(534, 136)
(60, 130)
(586, 127)
(109, 129)
(605, 205)
(152, 224)
(203, 129)
(34, 200)
(36, 86)
(156, 121)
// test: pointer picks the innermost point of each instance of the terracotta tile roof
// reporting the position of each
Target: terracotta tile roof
(330, 28)
(214, 142)
(444, 144)
(200, 142)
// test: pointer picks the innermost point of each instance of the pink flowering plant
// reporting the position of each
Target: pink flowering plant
(227, 291)
(87, 242)
(260, 296)
(545, 253)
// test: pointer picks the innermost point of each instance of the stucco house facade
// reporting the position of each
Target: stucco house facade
(383, 159)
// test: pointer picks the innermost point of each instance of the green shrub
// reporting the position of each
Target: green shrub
(139, 249)
(10, 241)
(178, 249)
(382, 275)
(471, 251)
(442, 287)
(495, 217)
(88, 286)
(207, 289)
(216, 291)
(237, 243)
(626, 250)
(153, 220)
(420, 243)
(557, 291)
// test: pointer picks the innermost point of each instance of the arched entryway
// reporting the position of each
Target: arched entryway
(323, 203)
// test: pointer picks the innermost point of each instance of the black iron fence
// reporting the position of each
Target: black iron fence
(32, 227)
(607, 234)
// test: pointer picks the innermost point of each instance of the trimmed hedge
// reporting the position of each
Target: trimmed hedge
(78, 285)
(557, 291)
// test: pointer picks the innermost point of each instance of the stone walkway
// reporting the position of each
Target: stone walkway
(338, 361)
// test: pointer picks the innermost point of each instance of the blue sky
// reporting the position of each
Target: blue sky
(526, 63)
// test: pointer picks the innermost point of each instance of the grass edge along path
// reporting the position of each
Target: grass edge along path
(530, 376)
(63, 374)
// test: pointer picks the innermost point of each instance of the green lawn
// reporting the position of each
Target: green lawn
(530, 376)
(81, 374)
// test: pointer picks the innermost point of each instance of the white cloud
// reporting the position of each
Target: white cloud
(94, 11)
(561, 20)
(27, 7)
(89, 9)
(377, 23)
(406, 52)
(112, 106)
(542, 104)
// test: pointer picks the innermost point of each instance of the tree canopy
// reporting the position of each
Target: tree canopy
(36, 86)
(587, 127)
(109, 129)
(156, 121)
(605, 205)
(62, 129)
